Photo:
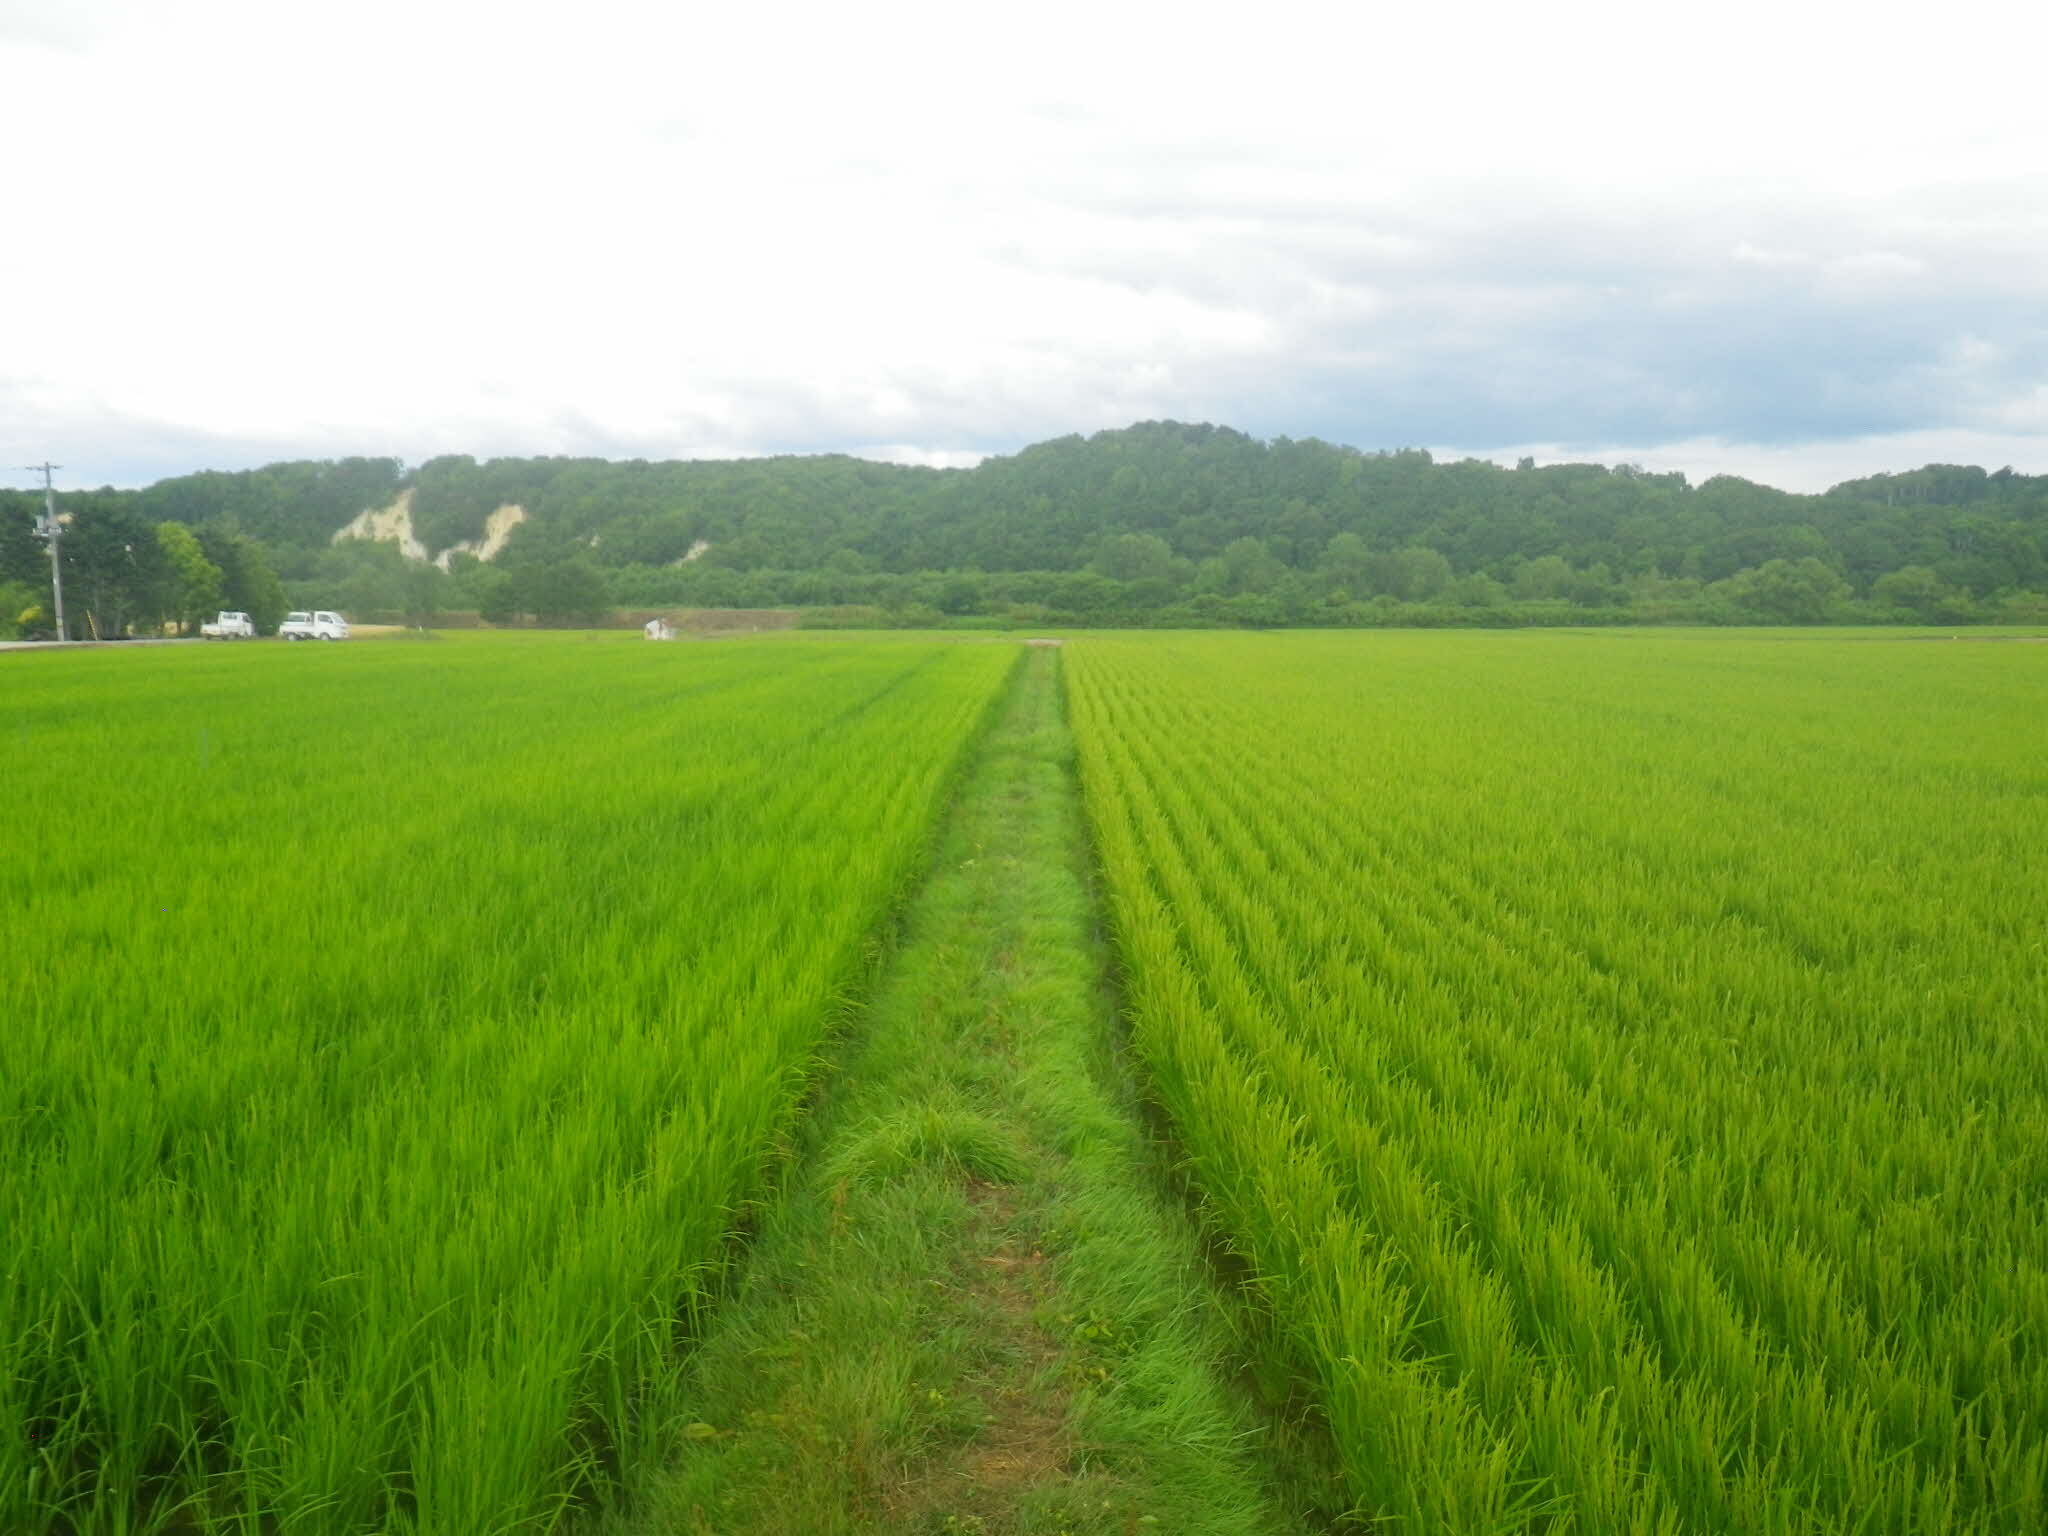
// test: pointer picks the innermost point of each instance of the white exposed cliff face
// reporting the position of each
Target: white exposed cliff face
(393, 525)
(389, 525)
(497, 529)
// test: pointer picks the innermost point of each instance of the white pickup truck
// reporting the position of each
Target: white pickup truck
(228, 626)
(318, 625)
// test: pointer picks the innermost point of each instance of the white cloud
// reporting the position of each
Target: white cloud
(1878, 266)
(927, 458)
(2027, 413)
(448, 225)
(1761, 256)
(1805, 467)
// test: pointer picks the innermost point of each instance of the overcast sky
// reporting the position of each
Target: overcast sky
(1795, 240)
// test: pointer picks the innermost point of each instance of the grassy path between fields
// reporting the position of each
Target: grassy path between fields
(974, 1307)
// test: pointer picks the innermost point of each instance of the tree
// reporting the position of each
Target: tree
(361, 576)
(1547, 577)
(423, 585)
(23, 556)
(1248, 567)
(1917, 590)
(197, 586)
(563, 592)
(254, 586)
(1478, 591)
(467, 578)
(1596, 587)
(249, 584)
(1413, 575)
(1135, 557)
(21, 608)
(1136, 507)
(113, 563)
(497, 595)
(960, 593)
(1786, 591)
(1346, 565)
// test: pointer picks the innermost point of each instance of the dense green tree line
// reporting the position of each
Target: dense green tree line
(286, 506)
(124, 572)
(1158, 523)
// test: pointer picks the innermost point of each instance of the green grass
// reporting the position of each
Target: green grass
(1618, 1057)
(1611, 1062)
(393, 1035)
(972, 1310)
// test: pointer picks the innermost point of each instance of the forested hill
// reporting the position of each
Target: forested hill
(1194, 521)
(1054, 506)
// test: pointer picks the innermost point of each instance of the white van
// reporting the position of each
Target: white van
(318, 625)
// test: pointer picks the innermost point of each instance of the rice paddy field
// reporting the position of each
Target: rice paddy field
(393, 1033)
(1619, 1059)
(1615, 1060)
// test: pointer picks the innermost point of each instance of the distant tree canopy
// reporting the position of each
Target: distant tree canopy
(196, 583)
(283, 505)
(123, 572)
(1160, 522)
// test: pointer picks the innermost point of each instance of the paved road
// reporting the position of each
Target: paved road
(89, 645)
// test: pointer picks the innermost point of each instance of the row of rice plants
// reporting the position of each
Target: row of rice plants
(1617, 1057)
(394, 1032)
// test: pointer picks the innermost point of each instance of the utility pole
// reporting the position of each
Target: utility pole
(52, 530)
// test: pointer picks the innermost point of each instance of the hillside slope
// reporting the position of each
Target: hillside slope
(1194, 523)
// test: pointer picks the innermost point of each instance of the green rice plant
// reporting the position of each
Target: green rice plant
(1614, 1055)
(394, 1035)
